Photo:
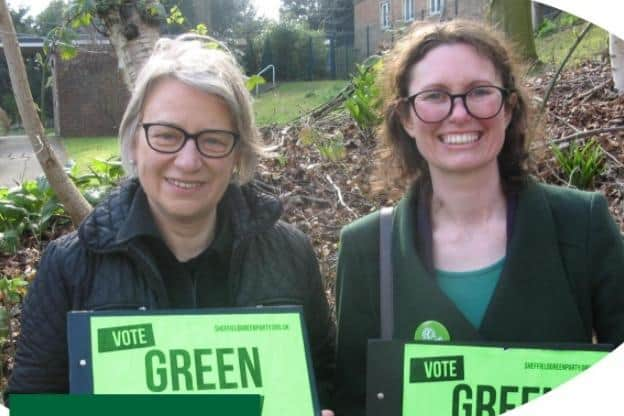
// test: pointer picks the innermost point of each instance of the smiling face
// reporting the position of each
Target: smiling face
(183, 187)
(460, 143)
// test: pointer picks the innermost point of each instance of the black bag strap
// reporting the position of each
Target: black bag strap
(386, 280)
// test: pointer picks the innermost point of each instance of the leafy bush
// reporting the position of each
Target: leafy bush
(332, 148)
(562, 21)
(28, 208)
(11, 293)
(33, 208)
(281, 160)
(102, 177)
(567, 19)
(365, 102)
(12, 290)
(4, 326)
(546, 28)
(308, 136)
(581, 164)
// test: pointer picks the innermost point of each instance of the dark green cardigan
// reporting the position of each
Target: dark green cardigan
(563, 278)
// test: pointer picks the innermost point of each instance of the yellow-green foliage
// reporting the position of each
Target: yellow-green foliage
(581, 164)
(365, 102)
(555, 37)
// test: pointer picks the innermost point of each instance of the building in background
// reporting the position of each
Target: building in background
(377, 22)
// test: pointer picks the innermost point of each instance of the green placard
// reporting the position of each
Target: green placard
(239, 353)
(459, 380)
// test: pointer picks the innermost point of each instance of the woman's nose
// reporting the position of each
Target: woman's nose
(458, 109)
(188, 157)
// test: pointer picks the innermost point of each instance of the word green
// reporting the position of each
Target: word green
(486, 401)
(125, 337)
(436, 369)
(192, 371)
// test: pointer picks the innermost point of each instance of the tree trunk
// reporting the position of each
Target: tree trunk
(5, 122)
(514, 18)
(74, 203)
(132, 38)
(537, 14)
(616, 52)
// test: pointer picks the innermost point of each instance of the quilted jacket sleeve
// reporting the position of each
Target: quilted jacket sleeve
(41, 359)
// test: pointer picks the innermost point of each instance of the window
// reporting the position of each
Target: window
(408, 10)
(435, 6)
(384, 14)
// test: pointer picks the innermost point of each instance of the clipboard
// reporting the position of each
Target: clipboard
(433, 378)
(258, 351)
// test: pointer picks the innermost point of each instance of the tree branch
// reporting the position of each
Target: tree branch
(579, 135)
(329, 179)
(587, 94)
(563, 64)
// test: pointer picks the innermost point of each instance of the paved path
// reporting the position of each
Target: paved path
(18, 162)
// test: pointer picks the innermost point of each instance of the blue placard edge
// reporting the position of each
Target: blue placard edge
(81, 377)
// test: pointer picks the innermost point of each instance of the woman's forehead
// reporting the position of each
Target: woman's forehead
(452, 65)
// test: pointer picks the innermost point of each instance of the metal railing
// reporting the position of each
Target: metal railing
(266, 68)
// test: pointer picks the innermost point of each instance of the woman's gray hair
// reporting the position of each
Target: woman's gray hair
(194, 60)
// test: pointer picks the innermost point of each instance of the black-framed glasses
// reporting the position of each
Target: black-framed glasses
(481, 102)
(169, 138)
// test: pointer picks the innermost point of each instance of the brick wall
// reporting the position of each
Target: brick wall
(369, 35)
(89, 94)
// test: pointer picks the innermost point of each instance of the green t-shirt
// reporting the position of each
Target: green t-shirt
(472, 290)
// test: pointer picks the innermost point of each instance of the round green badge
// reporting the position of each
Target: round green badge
(431, 331)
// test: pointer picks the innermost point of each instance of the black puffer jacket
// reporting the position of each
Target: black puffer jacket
(98, 268)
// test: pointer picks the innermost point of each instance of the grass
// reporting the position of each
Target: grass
(83, 150)
(291, 99)
(553, 48)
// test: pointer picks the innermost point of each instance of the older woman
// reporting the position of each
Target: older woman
(480, 251)
(186, 230)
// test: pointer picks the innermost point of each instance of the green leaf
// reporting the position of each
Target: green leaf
(82, 19)
(175, 16)
(10, 239)
(202, 29)
(9, 210)
(254, 81)
(68, 52)
(581, 164)
(157, 9)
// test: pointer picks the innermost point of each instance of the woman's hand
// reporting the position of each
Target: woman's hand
(327, 412)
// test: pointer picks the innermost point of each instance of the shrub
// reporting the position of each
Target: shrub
(332, 148)
(33, 208)
(581, 164)
(546, 28)
(365, 102)
(28, 208)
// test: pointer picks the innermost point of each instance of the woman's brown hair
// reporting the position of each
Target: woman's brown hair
(400, 163)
